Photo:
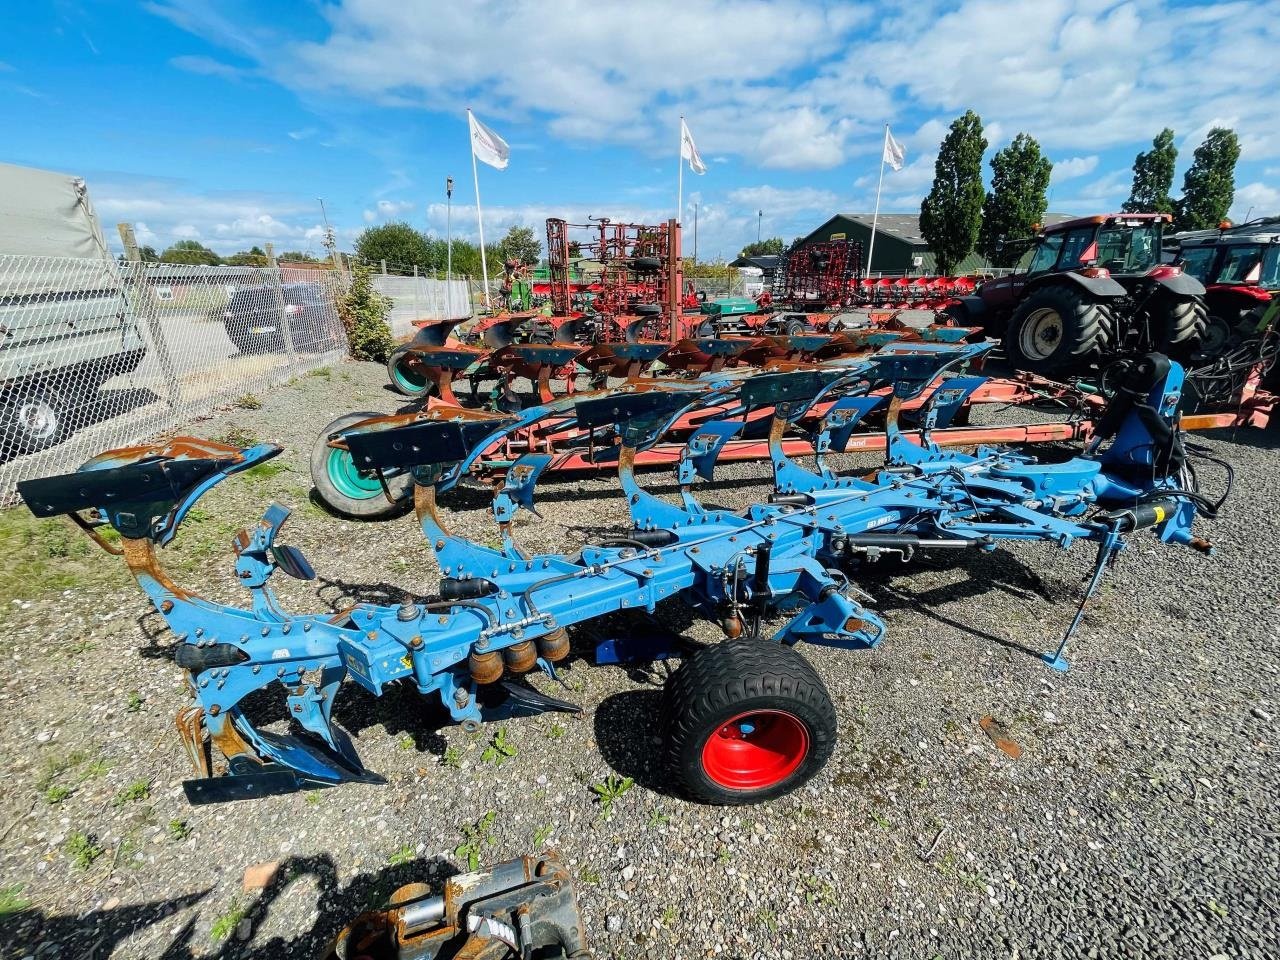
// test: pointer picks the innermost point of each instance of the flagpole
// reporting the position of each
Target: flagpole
(680, 172)
(475, 176)
(875, 217)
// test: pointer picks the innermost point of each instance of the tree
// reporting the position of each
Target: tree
(763, 248)
(148, 254)
(521, 246)
(296, 256)
(1153, 177)
(1209, 185)
(1017, 201)
(190, 251)
(575, 249)
(397, 243)
(952, 212)
(364, 314)
(466, 259)
(253, 257)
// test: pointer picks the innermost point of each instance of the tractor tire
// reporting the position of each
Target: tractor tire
(1057, 328)
(404, 380)
(647, 309)
(1221, 335)
(746, 721)
(1179, 326)
(348, 491)
(956, 313)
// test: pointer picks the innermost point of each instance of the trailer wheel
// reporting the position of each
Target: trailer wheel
(352, 492)
(1056, 327)
(647, 309)
(746, 721)
(403, 379)
(33, 417)
(795, 327)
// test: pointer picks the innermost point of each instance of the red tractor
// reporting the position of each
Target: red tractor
(1089, 290)
(1240, 268)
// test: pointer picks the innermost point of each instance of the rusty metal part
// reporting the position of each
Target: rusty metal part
(521, 657)
(190, 724)
(554, 646)
(140, 555)
(485, 667)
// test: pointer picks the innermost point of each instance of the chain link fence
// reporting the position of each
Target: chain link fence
(96, 354)
(423, 298)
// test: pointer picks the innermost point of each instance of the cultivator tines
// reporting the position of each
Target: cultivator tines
(818, 276)
(502, 610)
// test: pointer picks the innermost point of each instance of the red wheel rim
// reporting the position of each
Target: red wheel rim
(755, 750)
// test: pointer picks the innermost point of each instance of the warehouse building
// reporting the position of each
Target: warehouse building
(900, 247)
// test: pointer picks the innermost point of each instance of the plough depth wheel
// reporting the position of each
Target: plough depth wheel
(403, 378)
(746, 721)
(352, 492)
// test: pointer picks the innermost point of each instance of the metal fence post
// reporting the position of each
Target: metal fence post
(285, 323)
(144, 302)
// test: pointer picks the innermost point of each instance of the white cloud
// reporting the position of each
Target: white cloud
(1074, 167)
(207, 66)
(775, 201)
(1255, 200)
(304, 134)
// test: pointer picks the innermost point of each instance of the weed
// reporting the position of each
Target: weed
(475, 837)
(657, 818)
(922, 783)
(55, 794)
(401, 857)
(96, 769)
(881, 821)
(1217, 909)
(451, 758)
(82, 849)
(407, 742)
(248, 402)
(135, 702)
(237, 438)
(226, 924)
(609, 791)
(56, 766)
(556, 731)
(312, 799)
(668, 916)
(819, 892)
(138, 790)
(500, 749)
(590, 876)
(768, 919)
(324, 372)
(179, 830)
(723, 854)
(12, 900)
(541, 835)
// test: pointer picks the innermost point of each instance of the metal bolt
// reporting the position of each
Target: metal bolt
(286, 628)
(280, 672)
(482, 643)
(199, 631)
(265, 631)
(460, 697)
(407, 611)
(257, 668)
(415, 641)
(306, 627)
(215, 710)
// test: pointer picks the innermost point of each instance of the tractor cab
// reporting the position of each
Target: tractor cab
(1122, 244)
(1240, 268)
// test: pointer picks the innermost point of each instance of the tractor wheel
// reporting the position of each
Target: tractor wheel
(1220, 336)
(646, 264)
(351, 492)
(404, 380)
(542, 333)
(1179, 326)
(957, 314)
(1056, 328)
(746, 721)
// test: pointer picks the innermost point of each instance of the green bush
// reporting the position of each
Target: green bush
(364, 314)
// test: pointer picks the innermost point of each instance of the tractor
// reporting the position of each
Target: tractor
(1088, 290)
(1240, 268)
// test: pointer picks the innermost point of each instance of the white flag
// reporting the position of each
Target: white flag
(894, 152)
(488, 146)
(688, 151)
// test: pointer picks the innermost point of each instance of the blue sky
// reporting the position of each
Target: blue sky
(224, 121)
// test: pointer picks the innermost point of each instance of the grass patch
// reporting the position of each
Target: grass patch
(475, 837)
(179, 829)
(82, 849)
(138, 790)
(44, 557)
(237, 438)
(266, 470)
(12, 900)
(401, 857)
(248, 402)
(323, 372)
(55, 794)
(225, 925)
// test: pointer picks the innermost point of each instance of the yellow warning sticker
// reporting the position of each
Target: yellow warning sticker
(1159, 514)
(407, 661)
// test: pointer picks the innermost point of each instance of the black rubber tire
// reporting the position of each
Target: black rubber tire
(795, 327)
(1179, 326)
(646, 264)
(722, 681)
(1084, 324)
(34, 417)
(393, 363)
(372, 508)
(957, 313)
(542, 333)
(646, 309)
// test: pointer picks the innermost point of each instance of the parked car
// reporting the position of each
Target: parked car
(255, 318)
(67, 323)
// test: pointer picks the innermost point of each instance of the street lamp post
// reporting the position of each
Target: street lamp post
(759, 224)
(448, 228)
(695, 233)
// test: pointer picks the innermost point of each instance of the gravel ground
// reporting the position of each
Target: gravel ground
(1139, 821)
